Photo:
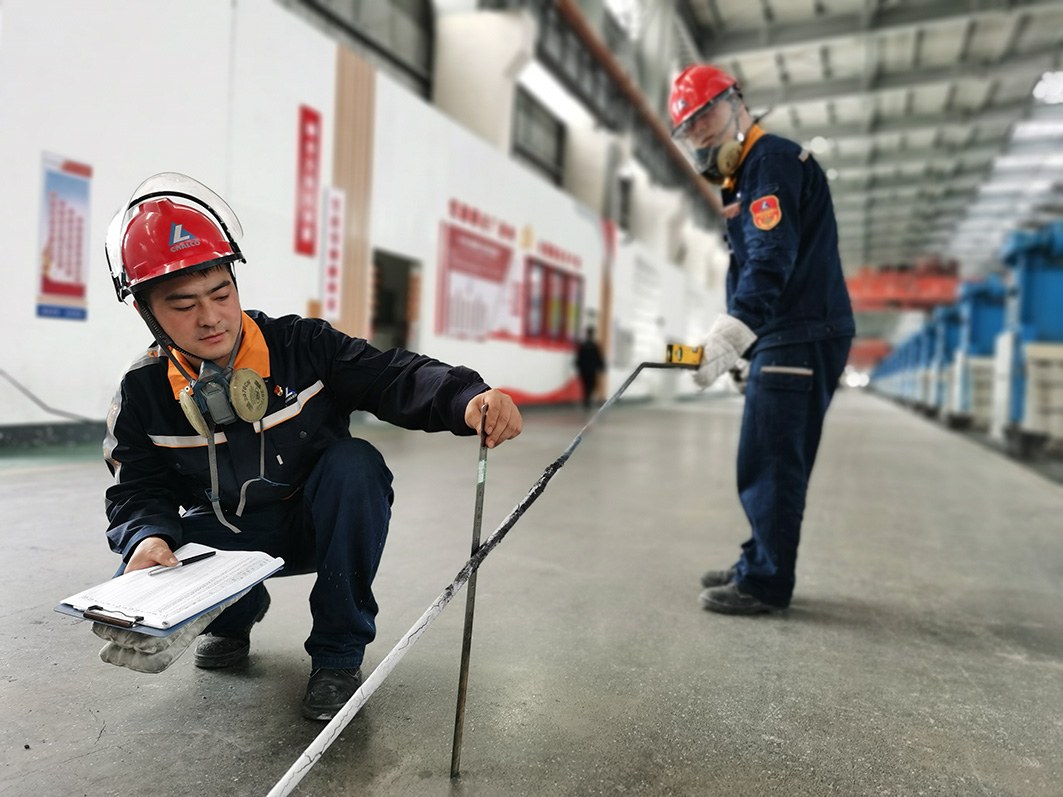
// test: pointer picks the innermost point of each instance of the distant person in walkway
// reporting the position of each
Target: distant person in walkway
(589, 363)
(788, 314)
(232, 430)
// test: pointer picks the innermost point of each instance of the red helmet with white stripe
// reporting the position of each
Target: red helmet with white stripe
(172, 224)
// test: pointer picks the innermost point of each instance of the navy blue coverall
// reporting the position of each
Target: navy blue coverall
(324, 501)
(785, 283)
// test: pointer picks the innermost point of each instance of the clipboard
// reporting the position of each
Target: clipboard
(162, 605)
(117, 619)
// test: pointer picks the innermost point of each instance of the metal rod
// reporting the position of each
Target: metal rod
(470, 602)
(335, 727)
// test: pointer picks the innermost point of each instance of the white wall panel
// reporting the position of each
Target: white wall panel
(279, 63)
(129, 89)
(412, 189)
(206, 88)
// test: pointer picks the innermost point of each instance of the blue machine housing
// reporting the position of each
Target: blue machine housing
(925, 346)
(1034, 304)
(981, 306)
(946, 323)
(981, 318)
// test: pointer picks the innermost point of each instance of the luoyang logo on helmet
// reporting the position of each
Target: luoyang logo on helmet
(180, 238)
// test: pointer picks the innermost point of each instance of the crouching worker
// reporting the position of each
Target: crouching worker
(232, 430)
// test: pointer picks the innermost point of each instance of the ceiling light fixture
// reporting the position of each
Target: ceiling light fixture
(1049, 88)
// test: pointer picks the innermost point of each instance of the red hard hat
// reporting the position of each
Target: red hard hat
(164, 238)
(172, 224)
(696, 88)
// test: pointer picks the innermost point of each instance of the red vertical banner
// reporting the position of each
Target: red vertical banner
(308, 180)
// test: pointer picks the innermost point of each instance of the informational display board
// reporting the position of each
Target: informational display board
(64, 238)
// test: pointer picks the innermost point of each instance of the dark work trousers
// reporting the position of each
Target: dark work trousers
(588, 380)
(335, 527)
(789, 390)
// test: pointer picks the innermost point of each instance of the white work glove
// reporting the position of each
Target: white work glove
(728, 340)
(152, 654)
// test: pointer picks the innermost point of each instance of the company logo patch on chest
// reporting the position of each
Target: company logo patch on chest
(766, 212)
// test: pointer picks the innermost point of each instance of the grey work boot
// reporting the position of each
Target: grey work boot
(226, 649)
(717, 578)
(730, 599)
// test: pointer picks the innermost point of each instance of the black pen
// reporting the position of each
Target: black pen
(180, 562)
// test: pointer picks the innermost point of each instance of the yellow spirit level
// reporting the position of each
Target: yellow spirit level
(684, 355)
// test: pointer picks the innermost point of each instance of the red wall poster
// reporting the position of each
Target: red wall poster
(472, 284)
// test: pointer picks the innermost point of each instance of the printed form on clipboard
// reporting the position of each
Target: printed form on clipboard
(158, 605)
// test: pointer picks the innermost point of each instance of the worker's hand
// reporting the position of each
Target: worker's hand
(503, 421)
(740, 375)
(149, 552)
(728, 340)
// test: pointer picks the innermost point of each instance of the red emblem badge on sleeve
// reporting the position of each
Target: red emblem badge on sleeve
(766, 212)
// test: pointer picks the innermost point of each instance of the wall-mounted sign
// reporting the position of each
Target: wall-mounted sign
(332, 254)
(473, 276)
(307, 180)
(64, 240)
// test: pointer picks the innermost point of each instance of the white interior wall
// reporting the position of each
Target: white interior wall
(411, 190)
(217, 103)
(113, 89)
(653, 212)
(279, 63)
(587, 165)
(706, 258)
(589, 147)
(638, 328)
(478, 57)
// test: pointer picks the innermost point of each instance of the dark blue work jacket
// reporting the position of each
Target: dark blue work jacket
(316, 377)
(785, 279)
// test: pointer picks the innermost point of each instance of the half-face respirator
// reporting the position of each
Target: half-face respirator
(721, 161)
(221, 395)
(715, 162)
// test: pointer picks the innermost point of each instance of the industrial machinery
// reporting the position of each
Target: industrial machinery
(946, 323)
(981, 318)
(1028, 360)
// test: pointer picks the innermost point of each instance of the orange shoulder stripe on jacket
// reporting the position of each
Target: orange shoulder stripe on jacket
(253, 354)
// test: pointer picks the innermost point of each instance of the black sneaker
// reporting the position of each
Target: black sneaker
(717, 578)
(328, 691)
(730, 599)
(226, 649)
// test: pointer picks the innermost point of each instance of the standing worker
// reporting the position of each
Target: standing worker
(589, 363)
(788, 313)
(232, 430)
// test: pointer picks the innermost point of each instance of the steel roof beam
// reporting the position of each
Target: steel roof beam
(1029, 62)
(931, 176)
(907, 156)
(831, 29)
(1003, 114)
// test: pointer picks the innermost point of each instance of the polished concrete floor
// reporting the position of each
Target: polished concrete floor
(923, 653)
